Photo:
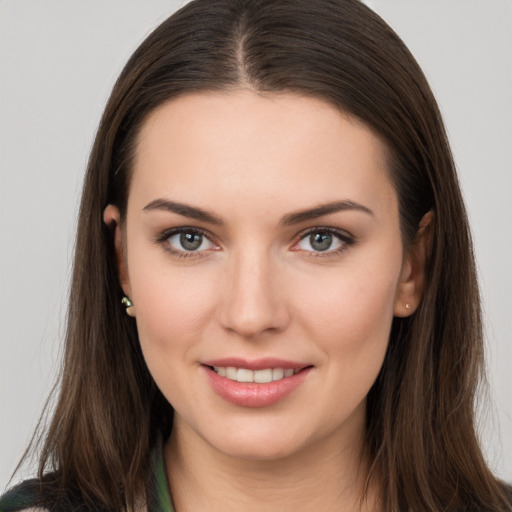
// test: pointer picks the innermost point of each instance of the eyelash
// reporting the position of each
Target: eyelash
(345, 238)
(163, 240)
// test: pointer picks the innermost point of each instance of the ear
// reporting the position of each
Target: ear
(412, 279)
(112, 219)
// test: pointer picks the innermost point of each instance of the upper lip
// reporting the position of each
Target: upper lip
(255, 364)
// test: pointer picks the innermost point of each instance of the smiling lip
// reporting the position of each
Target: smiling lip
(253, 394)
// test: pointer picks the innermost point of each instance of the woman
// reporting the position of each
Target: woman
(272, 198)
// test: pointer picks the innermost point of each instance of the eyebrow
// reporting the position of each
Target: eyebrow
(323, 209)
(183, 209)
(290, 219)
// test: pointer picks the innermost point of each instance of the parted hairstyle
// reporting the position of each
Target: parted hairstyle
(420, 412)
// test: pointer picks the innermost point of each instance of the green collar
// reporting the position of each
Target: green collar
(159, 494)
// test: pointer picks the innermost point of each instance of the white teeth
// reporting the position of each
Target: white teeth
(263, 376)
(231, 373)
(259, 376)
(277, 374)
(244, 375)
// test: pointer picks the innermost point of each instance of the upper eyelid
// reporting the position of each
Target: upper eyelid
(342, 233)
(167, 233)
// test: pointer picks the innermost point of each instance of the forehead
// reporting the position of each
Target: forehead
(241, 145)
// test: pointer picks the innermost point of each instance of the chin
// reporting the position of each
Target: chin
(265, 441)
(264, 449)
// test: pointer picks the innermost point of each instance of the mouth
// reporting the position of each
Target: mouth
(255, 384)
(263, 376)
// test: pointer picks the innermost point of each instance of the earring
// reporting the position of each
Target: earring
(128, 304)
(407, 305)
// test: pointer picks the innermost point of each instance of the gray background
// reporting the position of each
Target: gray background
(58, 62)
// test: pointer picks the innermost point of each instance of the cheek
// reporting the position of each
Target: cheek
(351, 327)
(349, 313)
(171, 310)
(171, 313)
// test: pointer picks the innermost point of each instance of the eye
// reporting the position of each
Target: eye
(323, 240)
(186, 241)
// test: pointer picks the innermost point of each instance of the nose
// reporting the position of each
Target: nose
(253, 299)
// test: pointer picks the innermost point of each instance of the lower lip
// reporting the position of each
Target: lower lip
(250, 394)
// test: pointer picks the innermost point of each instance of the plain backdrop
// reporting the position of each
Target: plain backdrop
(58, 62)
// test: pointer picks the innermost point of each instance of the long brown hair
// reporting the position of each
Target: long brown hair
(420, 416)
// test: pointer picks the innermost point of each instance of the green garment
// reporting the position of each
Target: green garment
(26, 495)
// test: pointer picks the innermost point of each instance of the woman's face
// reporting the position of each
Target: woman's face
(262, 243)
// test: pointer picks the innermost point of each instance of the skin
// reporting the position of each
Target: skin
(258, 288)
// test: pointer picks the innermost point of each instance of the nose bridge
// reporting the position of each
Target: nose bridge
(252, 302)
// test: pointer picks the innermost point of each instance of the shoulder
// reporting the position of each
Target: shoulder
(40, 496)
(23, 497)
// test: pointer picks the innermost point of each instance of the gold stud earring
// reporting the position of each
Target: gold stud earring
(128, 304)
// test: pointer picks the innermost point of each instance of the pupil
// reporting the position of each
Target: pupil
(321, 241)
(190, 241)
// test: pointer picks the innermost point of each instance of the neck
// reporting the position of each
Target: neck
(325, 476)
